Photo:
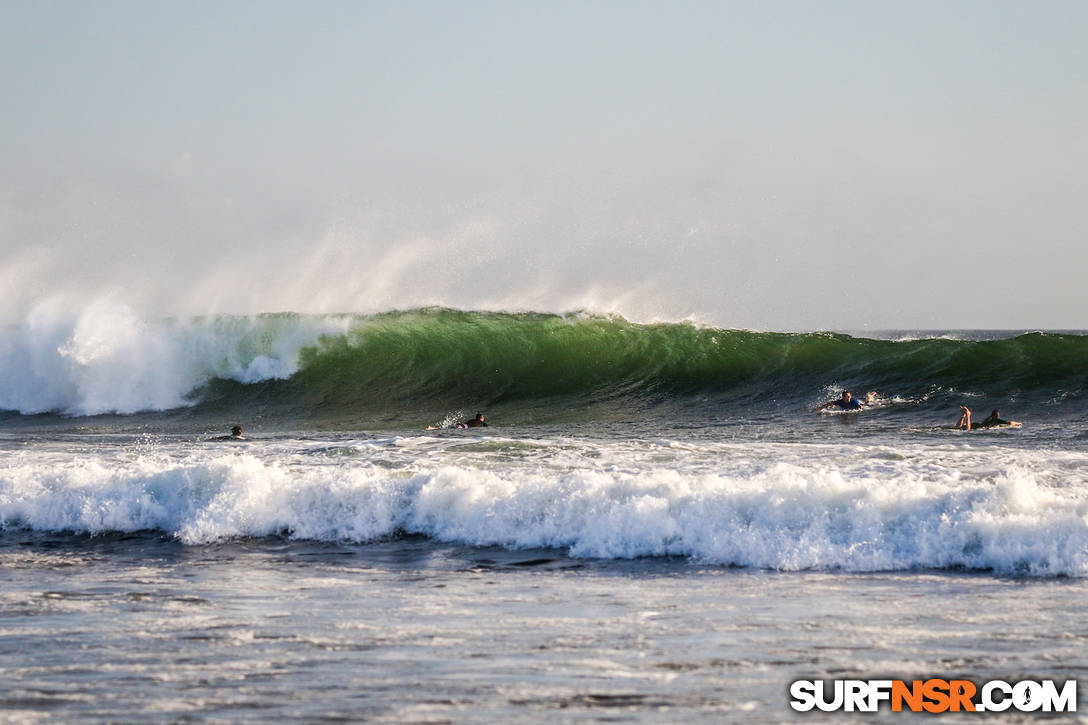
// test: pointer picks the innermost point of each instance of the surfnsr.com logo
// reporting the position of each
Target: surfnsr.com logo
(933, 695)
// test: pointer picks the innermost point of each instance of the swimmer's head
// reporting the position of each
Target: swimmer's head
(236, 430)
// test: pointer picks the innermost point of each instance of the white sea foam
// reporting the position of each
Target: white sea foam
(104, 358)
(952, 509)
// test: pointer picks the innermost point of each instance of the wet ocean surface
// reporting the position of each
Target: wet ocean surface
(141, 628)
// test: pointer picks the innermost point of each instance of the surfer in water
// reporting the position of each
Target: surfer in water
(848, 402)
(993, 421)
(476, 422)
(235, 435)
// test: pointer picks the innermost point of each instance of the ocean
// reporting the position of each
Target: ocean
(655, 526)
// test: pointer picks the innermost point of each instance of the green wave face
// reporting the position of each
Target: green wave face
(427, 365)
(440, 359)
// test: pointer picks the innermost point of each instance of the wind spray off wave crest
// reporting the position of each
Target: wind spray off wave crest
(104, 358)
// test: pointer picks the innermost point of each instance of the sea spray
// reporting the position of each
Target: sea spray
(106, 359)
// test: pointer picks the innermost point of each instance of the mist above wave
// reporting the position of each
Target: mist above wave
(104, 358)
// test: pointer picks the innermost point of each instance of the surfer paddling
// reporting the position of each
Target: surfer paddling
(848, 402)
(993, 421)
(477, 422)
(235, 435)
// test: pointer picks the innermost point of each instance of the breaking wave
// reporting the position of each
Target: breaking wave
(776, 515)
(107, 360)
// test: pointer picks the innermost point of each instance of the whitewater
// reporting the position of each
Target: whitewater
(780, 506)
(656, 525)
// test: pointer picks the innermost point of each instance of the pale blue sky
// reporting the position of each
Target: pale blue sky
(764, 164)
